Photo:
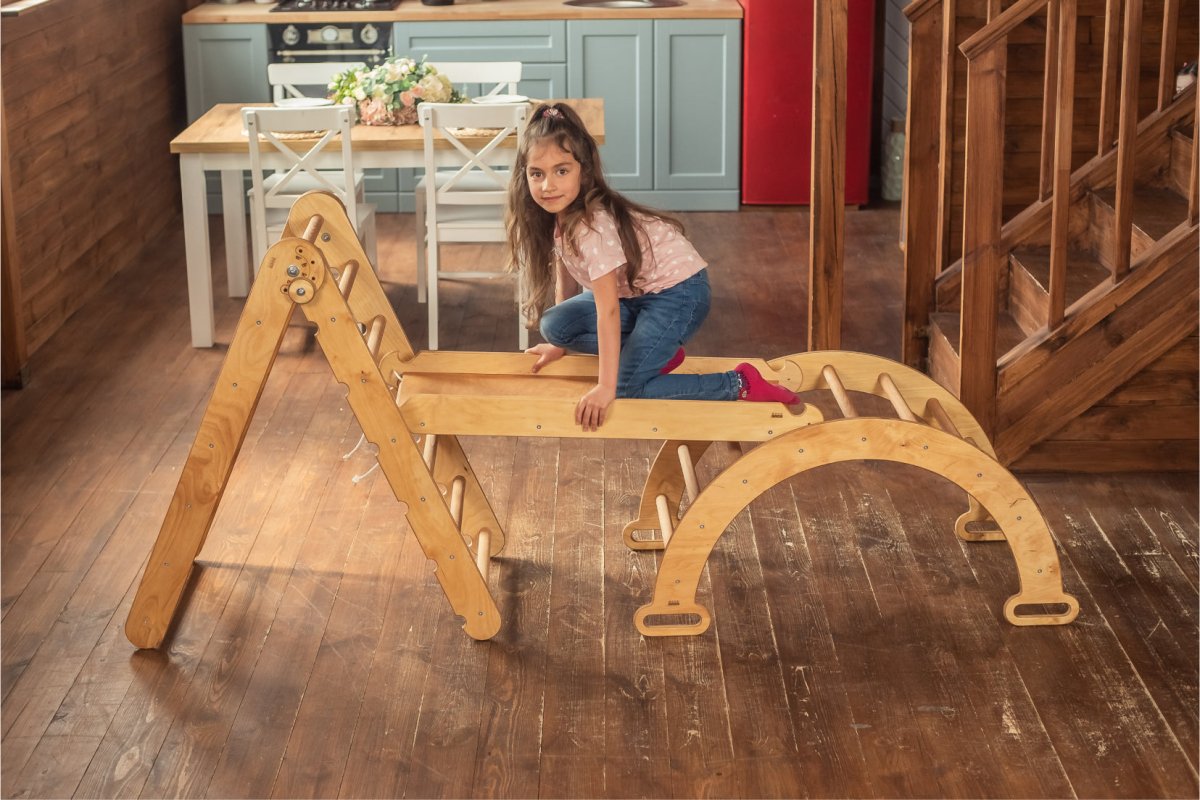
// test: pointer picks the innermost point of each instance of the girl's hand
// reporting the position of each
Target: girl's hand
(546, 354)
(593, 407)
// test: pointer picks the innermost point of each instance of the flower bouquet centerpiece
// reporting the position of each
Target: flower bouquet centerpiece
(388, 94)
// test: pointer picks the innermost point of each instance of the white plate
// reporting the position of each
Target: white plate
(303, 102)
(489, 99)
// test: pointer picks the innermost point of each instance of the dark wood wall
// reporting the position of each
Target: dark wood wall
(93, 94)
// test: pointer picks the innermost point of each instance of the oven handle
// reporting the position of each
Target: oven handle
(316, 53)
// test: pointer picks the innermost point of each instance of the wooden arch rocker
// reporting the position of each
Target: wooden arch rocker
(412, 406)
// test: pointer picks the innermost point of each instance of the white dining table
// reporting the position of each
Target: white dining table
(217, 142)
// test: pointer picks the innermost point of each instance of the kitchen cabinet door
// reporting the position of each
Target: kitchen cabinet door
(224, 64)
(697, 90)
(613, 60)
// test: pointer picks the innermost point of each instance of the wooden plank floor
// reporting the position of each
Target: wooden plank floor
(857, 650)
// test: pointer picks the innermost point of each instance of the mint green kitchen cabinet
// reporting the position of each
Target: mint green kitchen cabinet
(614, 60)
(697, 109)
(671, 90)
(672, 106)
(224, 64)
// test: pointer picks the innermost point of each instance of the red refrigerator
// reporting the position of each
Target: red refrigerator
(777, 61)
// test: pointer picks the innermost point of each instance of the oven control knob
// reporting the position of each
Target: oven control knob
(291, 35)
(329, 34)
(369, 34)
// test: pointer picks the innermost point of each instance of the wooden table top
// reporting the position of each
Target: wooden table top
(220, 131)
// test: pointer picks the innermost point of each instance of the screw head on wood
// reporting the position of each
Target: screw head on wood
(293, 271)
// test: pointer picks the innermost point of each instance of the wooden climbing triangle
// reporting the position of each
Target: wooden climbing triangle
(413, 406)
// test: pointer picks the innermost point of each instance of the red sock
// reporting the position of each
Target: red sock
(675, 361)
(756, 388)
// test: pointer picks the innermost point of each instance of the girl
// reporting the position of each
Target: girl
(627, 285)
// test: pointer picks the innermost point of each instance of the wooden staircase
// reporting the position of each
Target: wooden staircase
(1078, 316)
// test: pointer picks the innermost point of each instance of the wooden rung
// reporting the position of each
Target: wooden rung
(839, 391)
(457, 488)
(375, 336)
(934, 408)
(346, 279)
(483, 549)
(429, 451)
(689, 473)
(664, 518)
(898, 401)
(315, 223)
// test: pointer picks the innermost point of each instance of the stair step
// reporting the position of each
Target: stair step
(943, 344)
(1157, 210)
(1029, 282)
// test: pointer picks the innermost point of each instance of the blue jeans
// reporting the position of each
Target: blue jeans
(653, 327)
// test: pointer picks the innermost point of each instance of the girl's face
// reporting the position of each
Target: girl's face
(553, 175)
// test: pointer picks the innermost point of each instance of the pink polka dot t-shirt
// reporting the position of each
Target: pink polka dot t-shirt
(669, 258)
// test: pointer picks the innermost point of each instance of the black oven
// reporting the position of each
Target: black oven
(370, 42)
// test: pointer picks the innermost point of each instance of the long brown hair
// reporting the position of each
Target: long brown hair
(531, 228)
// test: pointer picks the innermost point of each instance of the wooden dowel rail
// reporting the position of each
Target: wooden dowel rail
(312, 228)
(688, 468)
(839, 391)
(1061, 188)
(1127, 137)
(898, 402)
(483, 558)
(375, 336)
(457, 492)
(346, 279)
(933, 407)
(429, 450)
(665, 521)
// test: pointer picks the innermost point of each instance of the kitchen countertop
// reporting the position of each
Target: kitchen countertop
(461, 11)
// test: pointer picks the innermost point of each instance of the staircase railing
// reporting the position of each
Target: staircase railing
(929, 142)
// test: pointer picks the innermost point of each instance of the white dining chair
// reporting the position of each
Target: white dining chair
(466, 203)
(502, 77)
(305, 79)
(273, 191)
(296, 82)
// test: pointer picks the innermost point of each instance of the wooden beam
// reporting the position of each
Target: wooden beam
(1109, 75)
(826, 245)
(1166, 55)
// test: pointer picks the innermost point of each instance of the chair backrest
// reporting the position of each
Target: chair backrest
(291, 80)
(298, 138)
(502, 76)
(475, 132)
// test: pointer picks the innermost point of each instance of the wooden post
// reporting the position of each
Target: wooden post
(1127, 137)
(1061, 189)
(1109, 74)
(946, 148)
(982, 198)
(921, 182)
(14, 349)
(826, 250)
(1194, 181)
(1052, 75)
(1166, 55)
